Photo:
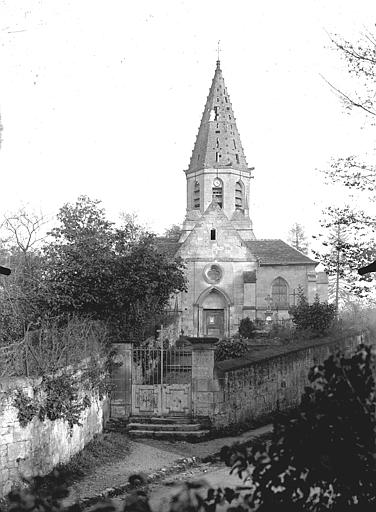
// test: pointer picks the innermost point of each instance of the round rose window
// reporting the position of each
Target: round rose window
(213, 273)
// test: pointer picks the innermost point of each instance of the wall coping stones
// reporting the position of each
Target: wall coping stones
(274, 351)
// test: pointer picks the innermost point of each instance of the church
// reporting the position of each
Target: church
(231, 274)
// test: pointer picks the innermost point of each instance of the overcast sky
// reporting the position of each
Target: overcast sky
(104, 98)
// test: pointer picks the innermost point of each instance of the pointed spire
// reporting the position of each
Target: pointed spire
(218, 142)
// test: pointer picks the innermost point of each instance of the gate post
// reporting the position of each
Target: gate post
(203, 385)
(121, 378)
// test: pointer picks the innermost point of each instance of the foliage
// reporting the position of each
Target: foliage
(35, 497)
(26, 406)
(297, 238)
(173, 232)
(51, 345)
(57, 398)
(285, 333)
(116, 275)
(246, 328)
(62, 400)
(55, 344)
(317, 317)
(347, 243)
(230, 349)
(323, 456)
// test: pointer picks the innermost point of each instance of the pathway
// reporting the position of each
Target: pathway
(150, 455)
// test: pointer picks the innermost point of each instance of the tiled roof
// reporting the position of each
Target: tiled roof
(277, 252)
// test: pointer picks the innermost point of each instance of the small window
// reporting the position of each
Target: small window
(226, 99)
(217, 143)
(233, 140)
(212, 234)
(237, 158)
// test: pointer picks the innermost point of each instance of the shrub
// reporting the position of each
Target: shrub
(230, 349)
(317, 317)
(246, 328)
(323, 455)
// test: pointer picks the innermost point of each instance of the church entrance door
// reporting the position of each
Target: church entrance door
(214, 322)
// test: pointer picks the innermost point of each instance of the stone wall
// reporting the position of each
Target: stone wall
(253, 389)
(41, 445)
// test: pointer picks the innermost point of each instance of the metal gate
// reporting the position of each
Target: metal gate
(161, 381)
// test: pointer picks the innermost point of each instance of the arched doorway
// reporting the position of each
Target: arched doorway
(214, 314)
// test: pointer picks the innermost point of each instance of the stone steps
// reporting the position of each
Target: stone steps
(169, 427)
(169, 434)
(176, 427)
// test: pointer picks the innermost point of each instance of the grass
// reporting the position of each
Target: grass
(103, 449)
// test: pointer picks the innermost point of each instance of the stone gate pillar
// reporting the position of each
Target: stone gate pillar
(203, 382)
(121, 379)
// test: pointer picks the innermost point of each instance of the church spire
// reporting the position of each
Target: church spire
(218, 142)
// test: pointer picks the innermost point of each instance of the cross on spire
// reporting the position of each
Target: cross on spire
(218, 52)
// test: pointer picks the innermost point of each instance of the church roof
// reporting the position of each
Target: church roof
(167, 246)
(277, 252)
(218, 142)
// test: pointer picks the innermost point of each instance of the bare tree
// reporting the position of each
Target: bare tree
(23, 230)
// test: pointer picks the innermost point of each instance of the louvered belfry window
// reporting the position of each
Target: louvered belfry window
(239, 196)
(196, 196)
(279, 292)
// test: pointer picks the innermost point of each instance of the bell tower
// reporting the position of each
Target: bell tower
(218, 171)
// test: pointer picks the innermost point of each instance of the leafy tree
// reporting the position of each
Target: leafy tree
(173, 232)
(112, 274)
(322, 456)
(246, 328)
(317, 317)
(297, 238)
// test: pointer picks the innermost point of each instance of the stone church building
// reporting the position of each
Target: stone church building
(231, 274)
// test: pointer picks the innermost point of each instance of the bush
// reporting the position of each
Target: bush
(323, 455)
(246, 328)
(230, 349)
(317, 317)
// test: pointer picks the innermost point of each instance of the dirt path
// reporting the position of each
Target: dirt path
(147, 456)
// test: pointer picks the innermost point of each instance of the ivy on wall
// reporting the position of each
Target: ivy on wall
(58, 397)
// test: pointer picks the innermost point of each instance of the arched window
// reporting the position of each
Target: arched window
(280, 293)
(239, 196)
(196, 196)
(217, 192)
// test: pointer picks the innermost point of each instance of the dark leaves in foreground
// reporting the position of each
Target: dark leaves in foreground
(323, 456)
